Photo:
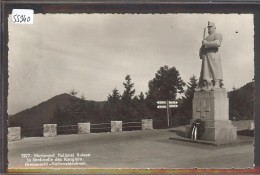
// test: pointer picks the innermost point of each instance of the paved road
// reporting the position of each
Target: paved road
(135, 149)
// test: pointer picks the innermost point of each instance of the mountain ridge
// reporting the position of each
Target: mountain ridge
(43, 113)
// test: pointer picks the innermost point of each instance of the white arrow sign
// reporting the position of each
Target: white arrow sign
(161, 106)
(173, 106)
(164, 102)
(173, 102)
(161, 102)
(170, 106)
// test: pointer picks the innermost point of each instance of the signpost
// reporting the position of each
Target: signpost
(166, 105)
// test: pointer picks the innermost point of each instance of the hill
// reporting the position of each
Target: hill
(44, 113)
(241, 102)
(39, 114)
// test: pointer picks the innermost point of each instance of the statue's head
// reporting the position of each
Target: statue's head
(211, 27)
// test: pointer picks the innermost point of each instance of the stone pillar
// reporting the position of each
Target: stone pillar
(147, 124)
(212, 108)
(83, 128)
(14, 133)
(251, 126)
(116, 126)
(49, 130)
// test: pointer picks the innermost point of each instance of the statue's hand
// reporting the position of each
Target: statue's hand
(204, 42)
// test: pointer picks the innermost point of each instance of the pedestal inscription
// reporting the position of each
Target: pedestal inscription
(210, 105)
(202, 108)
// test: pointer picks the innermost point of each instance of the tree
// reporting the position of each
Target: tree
(189, 93)
(129, 91)
(76, 108)
(128, 111)
(140, 107)
(115, 97)
(165, 86)
(141, 97)
(184, 112)
(113, 102)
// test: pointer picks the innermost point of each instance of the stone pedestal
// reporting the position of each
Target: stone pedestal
(83, 128)
(212, 107)
(147, 124)
(14, 133)
(49, 130)
(116, 126)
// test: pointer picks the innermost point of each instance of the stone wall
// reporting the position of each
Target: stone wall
(14, 133)
(49, 130)
(147, 124)
(83, 128)
(116, 126)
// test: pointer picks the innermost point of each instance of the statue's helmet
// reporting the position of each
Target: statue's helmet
(211, 24)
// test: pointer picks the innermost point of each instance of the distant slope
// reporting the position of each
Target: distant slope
(31, 120)
(241, 102)
(39, 114)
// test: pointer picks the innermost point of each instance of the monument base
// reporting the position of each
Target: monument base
(220, 131)
(212, 108)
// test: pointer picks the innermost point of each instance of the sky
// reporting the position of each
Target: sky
(92, 53)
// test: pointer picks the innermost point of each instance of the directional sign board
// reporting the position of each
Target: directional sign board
(166, 105)
(173, 106)
(164, 102)
(173, 102)
(161, 106)
(161, 102)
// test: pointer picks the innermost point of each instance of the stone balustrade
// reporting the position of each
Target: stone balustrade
(50, 130)
(14, 133)
(83, 128)
(116, 126)
(147, 124)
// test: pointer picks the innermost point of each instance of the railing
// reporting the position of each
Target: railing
(100, 127)
(130, 126)
(82, 128)
(32, 132)
(67, 129)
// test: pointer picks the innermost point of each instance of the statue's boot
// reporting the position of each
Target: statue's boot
(207, 86)
(216, 84)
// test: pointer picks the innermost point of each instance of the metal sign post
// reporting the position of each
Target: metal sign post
(166, 105)
(168, 115)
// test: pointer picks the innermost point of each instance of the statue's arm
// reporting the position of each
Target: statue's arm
(212, 44)
(215, 43)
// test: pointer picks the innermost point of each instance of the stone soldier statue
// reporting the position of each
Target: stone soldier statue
(210, 109)
(211, 71)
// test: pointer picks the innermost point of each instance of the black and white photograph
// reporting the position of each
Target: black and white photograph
(131, 91)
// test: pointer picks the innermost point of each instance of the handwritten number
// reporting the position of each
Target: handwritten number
(21, 19)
